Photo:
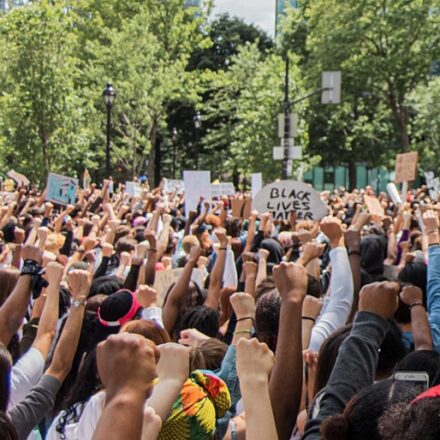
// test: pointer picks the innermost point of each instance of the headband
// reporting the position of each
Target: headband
(135, 306)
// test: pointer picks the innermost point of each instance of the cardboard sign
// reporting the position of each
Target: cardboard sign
(406, 167)
(222, 189)
(197, 184)
(61, 189)
(133, 189)
(256, 183)
(173, 185)
(21, 179)
(165, 278)
(284, 197)
(373, 205)
(241, 208)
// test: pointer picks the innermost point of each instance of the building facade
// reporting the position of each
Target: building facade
(192, 3)
(281, 6)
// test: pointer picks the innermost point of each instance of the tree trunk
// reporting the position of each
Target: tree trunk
(352, 175)
(401, 119)
(152, 155)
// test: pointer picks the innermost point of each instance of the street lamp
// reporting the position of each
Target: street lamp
(197, 125)
(174, 139)
(109, 95)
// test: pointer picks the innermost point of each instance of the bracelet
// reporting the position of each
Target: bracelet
(309, 318)
(247, 317)
(152, 250)
(435, 231)
(238, 332)
(223, 249)
(416, 304)
(354, 253)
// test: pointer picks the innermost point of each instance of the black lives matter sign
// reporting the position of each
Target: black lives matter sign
(284, 197)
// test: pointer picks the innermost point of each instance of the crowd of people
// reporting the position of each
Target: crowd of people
(290, 330)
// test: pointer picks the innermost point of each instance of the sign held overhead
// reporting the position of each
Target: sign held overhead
(284, 197)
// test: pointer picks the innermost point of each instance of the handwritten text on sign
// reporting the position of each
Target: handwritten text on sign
(282, 198)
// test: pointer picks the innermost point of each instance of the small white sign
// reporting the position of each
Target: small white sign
(331, 83)
(295, 153)
(197, 184)
(256, 183)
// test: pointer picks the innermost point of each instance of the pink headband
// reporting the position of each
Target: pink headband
(135, 306)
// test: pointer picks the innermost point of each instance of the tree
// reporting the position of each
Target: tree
(42, 118)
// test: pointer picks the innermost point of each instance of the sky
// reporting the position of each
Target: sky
(259, 12)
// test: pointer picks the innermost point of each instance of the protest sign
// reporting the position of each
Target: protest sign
(197, 184)
(133, 189)
(406, 167)
(256, 183)
(433, 184)
(165, 278)
(373, 205)
(21, 179)
(61, 189)
(173, 185)
(394, 194)
(284, 197)
(222, 189)
(241, 208)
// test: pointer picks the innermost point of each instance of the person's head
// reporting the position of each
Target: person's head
(202, 318)
(125, 244)
(105, 285)
(207, 355)
(359, 421)
(8, 280)
(206, 399)
(149, 329)
(414, 273)
(392, 351)
(267, 316)
(422, 361)
(117, 309)
(416, 420)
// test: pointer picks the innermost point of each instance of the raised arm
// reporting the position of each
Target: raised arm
(127, 368)
(79, 283)
(49, 317)
(215, 282)
(360, 351)
(178, 293)
(286, 378)
(337, 305)
(412, 296)
(13, 310)
(431, 221)
(254, 364)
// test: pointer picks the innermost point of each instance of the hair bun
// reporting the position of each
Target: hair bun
(335, 428)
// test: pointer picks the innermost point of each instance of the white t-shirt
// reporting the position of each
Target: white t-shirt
(69, 429)
(89, 419)
(25, 375)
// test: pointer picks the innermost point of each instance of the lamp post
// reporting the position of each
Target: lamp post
(109, 95)
(174, 139)
(197, 124)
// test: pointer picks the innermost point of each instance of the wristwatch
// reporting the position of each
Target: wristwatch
(79, 302)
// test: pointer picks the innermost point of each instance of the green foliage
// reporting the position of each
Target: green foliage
(43, 120)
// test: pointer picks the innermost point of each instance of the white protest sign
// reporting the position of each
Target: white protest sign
(197, 184)
(394, 194)
(21, 179)
(256, 183)
(133, 189)
(61, 189)
(165, 278)
(284, 197)
(433, 184)
(172, 185)
(222, 189)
